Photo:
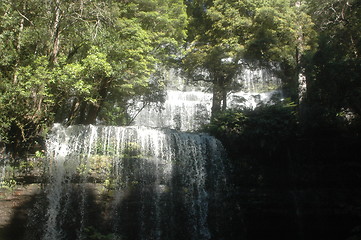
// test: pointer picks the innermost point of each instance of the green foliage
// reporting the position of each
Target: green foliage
(279, 29)
(265, 128)
(26, 167)
(82, 61)
(71, 61)
(7, 179)
(99, 167)
(258, 31)
(132, 150)
(94, 234)
(8, 185)
(334, 69)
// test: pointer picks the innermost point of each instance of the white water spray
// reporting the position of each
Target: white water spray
(148, 164)
(188, 108)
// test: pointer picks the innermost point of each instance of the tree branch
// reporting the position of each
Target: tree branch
(134, 117)
(25, 18)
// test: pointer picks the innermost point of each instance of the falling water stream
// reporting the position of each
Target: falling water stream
(187, 108)
(148, 181)
(161, 175)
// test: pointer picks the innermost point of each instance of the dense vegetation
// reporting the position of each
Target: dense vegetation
(80, 62)
(328, 103)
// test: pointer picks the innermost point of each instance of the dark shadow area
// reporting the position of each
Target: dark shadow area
(29, 218)
(154, 205)
(289, 180)
(305, 189)
(16, 229)
(136, 211)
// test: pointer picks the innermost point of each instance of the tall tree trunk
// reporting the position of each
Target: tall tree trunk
(94, 108)
(301, 77)
(217, 97)
(54, 48)
(92, 113)
(55, 34)
(302, 85)
(71, 115)
(82, 113)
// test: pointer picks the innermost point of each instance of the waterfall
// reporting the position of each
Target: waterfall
(150, 181)
(182, 110)
(187, 108)
(160, 182)
(2, 171)
(5, 173)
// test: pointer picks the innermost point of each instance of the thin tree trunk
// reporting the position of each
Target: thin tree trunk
(75, 106)
(301, 77)
(18, 47)
(302, 85)
(224, 98)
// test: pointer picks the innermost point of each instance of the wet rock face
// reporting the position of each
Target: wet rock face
(15, 207)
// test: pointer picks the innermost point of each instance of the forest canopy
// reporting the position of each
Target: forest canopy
(80, 62)
(76, 61)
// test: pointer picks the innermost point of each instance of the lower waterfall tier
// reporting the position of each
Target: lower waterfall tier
(158, 184)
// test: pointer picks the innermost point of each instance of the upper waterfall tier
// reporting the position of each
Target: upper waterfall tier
(182, 110)
(187, 107)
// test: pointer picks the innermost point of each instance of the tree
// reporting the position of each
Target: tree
(22, 73)
(255, 31)
(334, 68)
(135, 37)
(72, 61)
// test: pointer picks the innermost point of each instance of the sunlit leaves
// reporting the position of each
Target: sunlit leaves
(96, 65)
(101, 47)
(279, 30)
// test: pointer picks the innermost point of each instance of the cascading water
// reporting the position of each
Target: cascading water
(186, 108)
(5, 172)
(160, 182)
(2, 170)
(183, 110)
